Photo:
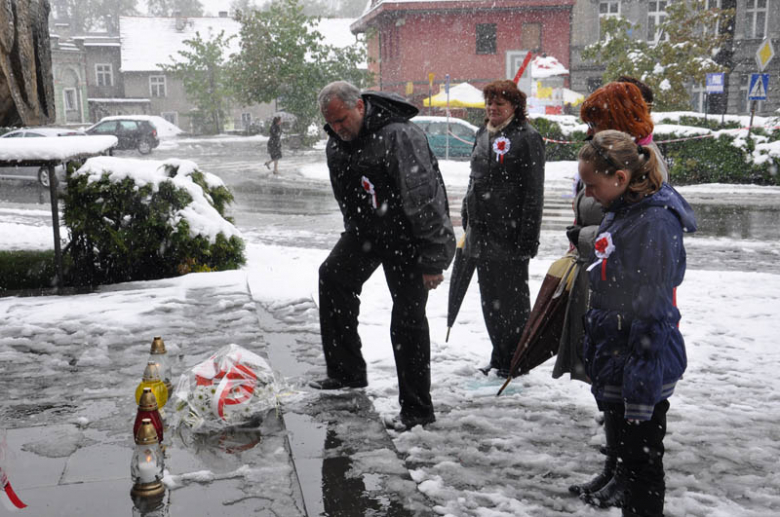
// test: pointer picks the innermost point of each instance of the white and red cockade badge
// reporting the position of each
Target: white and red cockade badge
(369, 188)
(501, 146)
(604, 248)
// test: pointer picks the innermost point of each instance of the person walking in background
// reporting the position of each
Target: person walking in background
(388, 186)
(502, 216)
(633, 351)
(275, 144)
(617, 106)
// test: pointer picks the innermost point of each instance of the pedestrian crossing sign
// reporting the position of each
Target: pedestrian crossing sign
(758, 86)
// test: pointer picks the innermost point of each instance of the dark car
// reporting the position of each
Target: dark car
(132, 133)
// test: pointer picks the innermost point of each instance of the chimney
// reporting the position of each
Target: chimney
(223, 14)
(180, 20)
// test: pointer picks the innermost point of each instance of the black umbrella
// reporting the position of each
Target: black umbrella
(462, 270)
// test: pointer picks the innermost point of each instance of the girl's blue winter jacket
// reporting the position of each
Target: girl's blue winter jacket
(634, 352)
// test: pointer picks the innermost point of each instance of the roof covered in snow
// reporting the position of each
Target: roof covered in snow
(140, 34)
(53, 148)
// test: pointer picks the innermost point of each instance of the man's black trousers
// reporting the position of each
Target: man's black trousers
(503, 287)
(342, 276)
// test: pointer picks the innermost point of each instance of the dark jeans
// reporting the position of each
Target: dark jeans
(641, 451)
(506, 304)
(342, 276)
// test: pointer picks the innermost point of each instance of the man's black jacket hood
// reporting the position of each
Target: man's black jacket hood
(389, 187)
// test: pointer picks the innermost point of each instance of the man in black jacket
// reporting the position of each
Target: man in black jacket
(391, 194)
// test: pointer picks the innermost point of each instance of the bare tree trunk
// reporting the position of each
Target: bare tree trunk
(26, 82)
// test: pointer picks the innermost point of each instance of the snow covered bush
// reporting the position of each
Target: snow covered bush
(142, 219)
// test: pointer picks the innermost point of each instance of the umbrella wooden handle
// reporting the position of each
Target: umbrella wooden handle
(506, 383)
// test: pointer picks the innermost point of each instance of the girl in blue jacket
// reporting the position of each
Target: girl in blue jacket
(633, 351)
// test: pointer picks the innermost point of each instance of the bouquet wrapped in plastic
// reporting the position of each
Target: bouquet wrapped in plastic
(227, 389)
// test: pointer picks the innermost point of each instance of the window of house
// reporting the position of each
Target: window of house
(609, 8)
(656, 15)
(486, 38)
(246, 119)
(531, 37)
(744, 103)
(594, 83)
(755, 19)
(709, 5)
(157, 86)
(171, 116)
(698, 98)
(69, 99)
(104, 74)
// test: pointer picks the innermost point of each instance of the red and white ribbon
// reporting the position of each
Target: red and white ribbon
(501, 146)
(10, 500)
(604, 248)
(369, 188)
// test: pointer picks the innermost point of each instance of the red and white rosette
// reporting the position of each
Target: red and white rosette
(10, 500)
(501, 146)
(604, 248)
(370, 190)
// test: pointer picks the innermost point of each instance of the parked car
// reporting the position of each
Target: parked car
(35, 173)
(132, 133)
(461, 137)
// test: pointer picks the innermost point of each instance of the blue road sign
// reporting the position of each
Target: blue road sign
(758, 87)
(447, 84)
(716, 82)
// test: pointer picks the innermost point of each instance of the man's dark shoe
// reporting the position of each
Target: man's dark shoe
(402, 423)
(329, 383)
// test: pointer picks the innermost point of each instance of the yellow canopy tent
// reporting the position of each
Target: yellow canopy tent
(461, 96)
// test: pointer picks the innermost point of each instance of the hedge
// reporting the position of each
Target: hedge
(721, 159)
(133, 220)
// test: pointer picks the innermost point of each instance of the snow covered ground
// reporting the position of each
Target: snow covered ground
(515, 455)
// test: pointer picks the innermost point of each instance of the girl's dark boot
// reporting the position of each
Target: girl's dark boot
(610, 450)
(601, 480)
(611, 493)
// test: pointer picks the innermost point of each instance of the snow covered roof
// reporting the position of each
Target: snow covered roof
(140, 35)
(53, 148)
(163, 127)
(148, 42)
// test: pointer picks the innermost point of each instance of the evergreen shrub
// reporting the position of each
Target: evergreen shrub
(141, 220)
(26, 269)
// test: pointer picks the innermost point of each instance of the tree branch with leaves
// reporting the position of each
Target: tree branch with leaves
(204, 72)
(688, 41)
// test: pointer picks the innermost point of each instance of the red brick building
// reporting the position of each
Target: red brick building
(476, 41)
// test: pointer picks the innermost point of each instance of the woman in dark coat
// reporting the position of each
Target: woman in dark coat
(502, 216)
(275, 144)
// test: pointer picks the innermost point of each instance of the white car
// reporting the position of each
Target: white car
(39, 174)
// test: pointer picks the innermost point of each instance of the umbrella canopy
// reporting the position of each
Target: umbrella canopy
(543, 67)
(462, 271)
(462, 95)
(542, 334)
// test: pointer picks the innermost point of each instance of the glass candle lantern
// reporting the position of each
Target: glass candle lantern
(146, 466)
(147, 408)
(159, 355)
(152, 380)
